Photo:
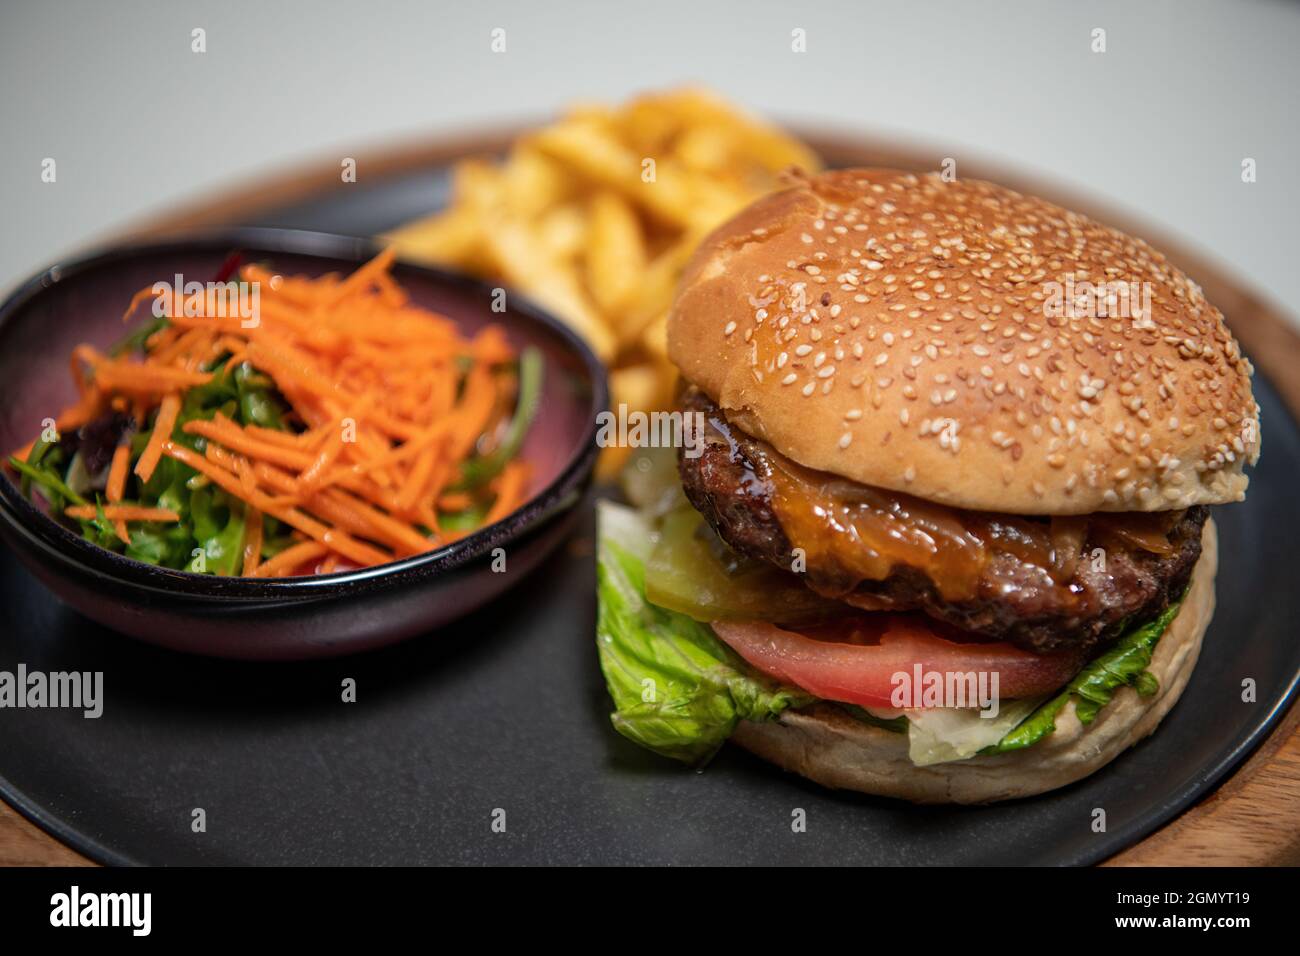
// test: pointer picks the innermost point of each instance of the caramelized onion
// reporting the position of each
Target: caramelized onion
(1145, 532)
(1068, 537)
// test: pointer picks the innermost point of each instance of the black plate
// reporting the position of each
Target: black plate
(506, 711)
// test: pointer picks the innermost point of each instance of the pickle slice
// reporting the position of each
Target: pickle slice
(688, 572)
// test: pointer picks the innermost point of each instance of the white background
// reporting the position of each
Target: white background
(1158, 124)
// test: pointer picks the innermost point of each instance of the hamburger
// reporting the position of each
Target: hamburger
(943, 533)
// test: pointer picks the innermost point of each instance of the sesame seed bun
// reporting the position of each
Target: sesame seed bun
(936, 338)
(827, 745)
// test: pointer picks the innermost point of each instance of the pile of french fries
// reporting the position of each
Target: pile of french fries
(595, 216)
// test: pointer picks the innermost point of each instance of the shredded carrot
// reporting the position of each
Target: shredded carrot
(509, 488)
(290, 559)
(134, 377)
(177, 346)
(286, 439)
(342, 542)
(336, 505)
(117, 473)
(362, 277)
(311, 477)
(226, 432)
(378, 405)
(253, 542)
(117, 484)
(122, 512)
(162, 432)
(136, 299)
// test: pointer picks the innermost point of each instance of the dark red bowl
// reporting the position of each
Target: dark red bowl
(285, 618)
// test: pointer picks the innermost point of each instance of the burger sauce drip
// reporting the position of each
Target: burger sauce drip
(871, 531)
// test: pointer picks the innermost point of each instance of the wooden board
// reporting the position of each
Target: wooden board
(1253, 819)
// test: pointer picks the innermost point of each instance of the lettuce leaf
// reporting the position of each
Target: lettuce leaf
(677, 689)
(1125, 664)
(680, 691)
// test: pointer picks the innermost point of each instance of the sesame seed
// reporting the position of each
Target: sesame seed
(958, 275)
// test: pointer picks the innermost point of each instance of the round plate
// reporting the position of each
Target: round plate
(507, 712)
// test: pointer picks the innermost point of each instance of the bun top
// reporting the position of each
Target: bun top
(969, 345)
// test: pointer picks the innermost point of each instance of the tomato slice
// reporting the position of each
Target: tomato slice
(856, 662)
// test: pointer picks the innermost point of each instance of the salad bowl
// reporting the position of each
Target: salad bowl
(313, 615)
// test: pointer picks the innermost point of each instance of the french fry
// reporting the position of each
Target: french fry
(655, 292)
(534, 184)
(616, 255)
(753, 141)
(477, 183)
(707, 149)
(655, 338)
(564, 231)
(595, 216)
(450, 239)
(526, 264)
(636, 386)
(601, 159)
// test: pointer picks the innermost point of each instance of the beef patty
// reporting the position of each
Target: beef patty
(1041, 598)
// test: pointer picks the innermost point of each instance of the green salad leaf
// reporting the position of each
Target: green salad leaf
(466, 520)
(165, 544)
(219, 529)
(258, 401)
(98, 530)
(677, 689)
(1124, 664)
(211, 521)
(51, 485)
(477, 472)
(134, 342)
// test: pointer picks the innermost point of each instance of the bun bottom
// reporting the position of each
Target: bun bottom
(825, 744)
